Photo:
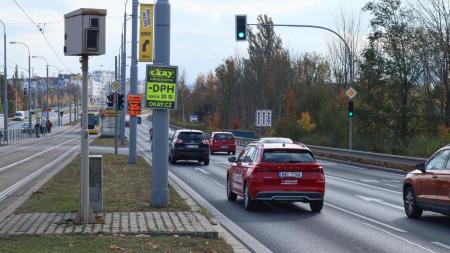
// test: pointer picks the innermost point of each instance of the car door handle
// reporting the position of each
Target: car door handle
(435, 176)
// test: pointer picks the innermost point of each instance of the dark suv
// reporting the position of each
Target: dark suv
(189, 145)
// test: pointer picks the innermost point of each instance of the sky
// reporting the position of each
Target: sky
(202, 31)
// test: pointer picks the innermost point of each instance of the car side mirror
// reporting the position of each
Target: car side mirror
(232, 159)
(421, 167)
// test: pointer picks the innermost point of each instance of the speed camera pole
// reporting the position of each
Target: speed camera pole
(160, 191)
(85, 212)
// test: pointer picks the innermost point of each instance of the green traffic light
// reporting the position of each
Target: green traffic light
(350, 114)
(241, 35)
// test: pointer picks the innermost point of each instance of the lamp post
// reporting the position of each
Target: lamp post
(29, 80)
(57, 93)
(5, 86)
(46, 62)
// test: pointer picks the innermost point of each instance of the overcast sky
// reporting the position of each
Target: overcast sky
(202, 31)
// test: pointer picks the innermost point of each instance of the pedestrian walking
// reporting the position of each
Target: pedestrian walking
(49, 125)
(37, 129)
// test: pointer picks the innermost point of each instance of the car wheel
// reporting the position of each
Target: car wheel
(411, 208)
(230, 194)
(206, 162)
(234, 152)
(316, 206)
(212, 152)
(249, 203)
(172, 159)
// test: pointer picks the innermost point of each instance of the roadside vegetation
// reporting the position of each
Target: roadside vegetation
(108, 142)
(401, 74)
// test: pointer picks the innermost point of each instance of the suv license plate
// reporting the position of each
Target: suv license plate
(295, 174)
(191, 146)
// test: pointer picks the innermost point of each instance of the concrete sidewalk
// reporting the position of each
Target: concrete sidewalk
(192, 224)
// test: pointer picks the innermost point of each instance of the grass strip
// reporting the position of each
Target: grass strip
(127, 187)
(117, 243)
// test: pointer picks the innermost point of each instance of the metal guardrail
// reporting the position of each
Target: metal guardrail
(379, 158)
(354, 155)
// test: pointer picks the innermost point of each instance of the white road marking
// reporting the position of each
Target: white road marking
(219, 184)
(363, 184)
(379, 201)
(399, 237)
(369, 180)
(441, 245)
(392, 185)
(30, 157)
(202, 170)
(366, 218)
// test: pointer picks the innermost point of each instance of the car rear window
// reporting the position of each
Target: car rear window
(287, 156)
(190, 136)
(223, 136)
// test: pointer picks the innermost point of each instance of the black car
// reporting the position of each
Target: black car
(189, 145)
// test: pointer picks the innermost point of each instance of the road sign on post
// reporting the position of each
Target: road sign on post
(116, 85)
(146, 33)
(161, 87)
(263, 118)
(351, 93)
(134, 105)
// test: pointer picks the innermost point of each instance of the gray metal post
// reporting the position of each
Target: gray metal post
(116, 132)
(350, 134)
(57, 99)
(15, 87)
(133, 82)
(48, 111)
(84, 175)
(123, 78)
(5, 86)
(160, 190)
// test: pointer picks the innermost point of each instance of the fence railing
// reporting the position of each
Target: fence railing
(19, 134)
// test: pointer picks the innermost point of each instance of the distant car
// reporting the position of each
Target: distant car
(275, 140)
(222, 142)
(428, 187)
(189, 145)
(276, 172)
(20, 116)
(25, 127)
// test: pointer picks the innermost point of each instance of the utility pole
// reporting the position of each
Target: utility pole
(15, 87)
(160, 190)
(85, 208)
(116, 132)
(5, 87)
(123, 78)
(133, 82)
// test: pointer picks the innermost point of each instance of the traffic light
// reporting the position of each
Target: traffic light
(120, 102)
(110, 102)
(350, 108)
(25, 91)
(241, 27)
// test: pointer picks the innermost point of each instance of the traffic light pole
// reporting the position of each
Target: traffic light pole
(116, 151)
(350, 59)
(133, 81)
(160, 190)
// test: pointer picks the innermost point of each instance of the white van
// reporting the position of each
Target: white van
(20, 115)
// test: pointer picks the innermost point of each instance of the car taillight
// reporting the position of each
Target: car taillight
(179, 141)
(205, 142)
(232, 141)
(318, 169)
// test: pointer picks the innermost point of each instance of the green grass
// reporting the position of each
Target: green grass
(126, 188)
(107, 142)
(93, 244)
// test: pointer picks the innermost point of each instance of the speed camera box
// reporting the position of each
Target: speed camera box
(85, 32)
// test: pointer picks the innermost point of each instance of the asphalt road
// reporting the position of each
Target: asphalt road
(31, 159)
(363, 211)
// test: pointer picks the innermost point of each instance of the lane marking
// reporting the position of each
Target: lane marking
(362, 184)
(27, 179)
(369, 180)
(219, 184)
(399, 237)
(31, 157)
(392, 185)
(441, 245)
(202, 170)
(379, 201)
(366, 218)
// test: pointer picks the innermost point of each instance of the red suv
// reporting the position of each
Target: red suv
(428, 187)
(222, 142)
(276, 171)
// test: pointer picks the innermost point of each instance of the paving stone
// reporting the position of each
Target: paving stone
(44, 225)
(37, 223)
(151, 223)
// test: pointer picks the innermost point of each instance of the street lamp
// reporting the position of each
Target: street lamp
(57, 93)
(5, 86)
(29, 79)
(46, 62)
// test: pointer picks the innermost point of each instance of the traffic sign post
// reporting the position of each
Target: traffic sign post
(351, 93)
(146, 33)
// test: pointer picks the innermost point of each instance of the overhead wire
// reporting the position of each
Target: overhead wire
(43, 34)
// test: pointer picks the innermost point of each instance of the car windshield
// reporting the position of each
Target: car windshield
(223, 136)
(276, 140)
(18, 114)
(191, 136)
(287, 156)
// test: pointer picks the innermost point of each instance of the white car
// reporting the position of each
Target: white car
(20, 115)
